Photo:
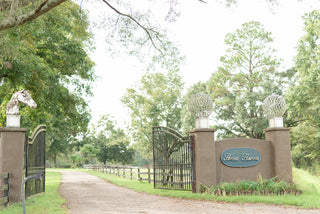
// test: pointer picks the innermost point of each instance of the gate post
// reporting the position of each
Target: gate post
(12, 159)
(204, 157)
(280, 140)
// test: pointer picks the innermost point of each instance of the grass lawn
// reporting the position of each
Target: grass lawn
(310, 197)
(50, 202)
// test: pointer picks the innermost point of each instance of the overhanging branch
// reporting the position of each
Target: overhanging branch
(13, 20)
(147, 30)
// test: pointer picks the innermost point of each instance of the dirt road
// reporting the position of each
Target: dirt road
(87, 194)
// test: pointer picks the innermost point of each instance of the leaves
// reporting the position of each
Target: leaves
(49, 58)
(247, 76)
(111, 144)
(303, 97)
(155, 101)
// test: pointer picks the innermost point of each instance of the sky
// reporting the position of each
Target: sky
(199, 33)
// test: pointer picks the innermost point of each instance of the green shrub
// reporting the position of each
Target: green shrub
(65, 165)
(261, 185)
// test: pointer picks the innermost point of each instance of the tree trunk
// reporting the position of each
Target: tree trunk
(55, 160)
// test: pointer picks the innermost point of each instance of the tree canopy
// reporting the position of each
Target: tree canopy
(247, 75)
(49, 57)
(303, 97)
(155, 101)
(107, 143)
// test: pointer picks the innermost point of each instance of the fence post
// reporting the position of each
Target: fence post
(139, 177)
(5, 188)
(149, 180)
(131, 173)
(124, 171)
(118, 171)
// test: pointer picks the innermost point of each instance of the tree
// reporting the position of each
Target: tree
(49, 58)
(156, 101)
(139, 160)
(248, 74)
(303, 97)
(76, 160)
(112, 143)
(88, 152)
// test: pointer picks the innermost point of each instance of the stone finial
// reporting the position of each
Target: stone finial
(274, 107)
(200, 106)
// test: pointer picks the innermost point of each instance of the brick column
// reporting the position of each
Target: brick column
(205, 157)
(280, 140)
(12, 159)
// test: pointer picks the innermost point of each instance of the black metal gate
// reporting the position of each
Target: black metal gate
(172, 160)
(35, 160)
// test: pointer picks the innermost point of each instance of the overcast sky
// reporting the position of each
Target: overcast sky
(199, 32)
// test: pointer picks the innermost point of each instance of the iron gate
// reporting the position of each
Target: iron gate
(172, 160)
(35, 159)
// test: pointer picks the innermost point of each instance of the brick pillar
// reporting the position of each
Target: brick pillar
(12, 159)
(280, 140)
(205, 157)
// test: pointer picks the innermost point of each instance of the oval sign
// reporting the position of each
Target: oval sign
(240, 157)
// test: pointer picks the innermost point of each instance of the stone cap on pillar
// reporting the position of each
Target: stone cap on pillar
(8, 129)
(276, 129)
(202, 130)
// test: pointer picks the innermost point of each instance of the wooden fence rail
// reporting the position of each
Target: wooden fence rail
(138, 173)
(4, 189)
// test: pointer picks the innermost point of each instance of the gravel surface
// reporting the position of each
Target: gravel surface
(88, 194)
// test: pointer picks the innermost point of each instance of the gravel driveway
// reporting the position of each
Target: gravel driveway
(88, 194)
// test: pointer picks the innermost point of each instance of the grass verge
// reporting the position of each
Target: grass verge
(309, 199)
(49, 202)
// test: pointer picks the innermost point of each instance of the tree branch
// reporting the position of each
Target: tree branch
(3, 75)
(228, 130)
(295, 123)
(147, 30)
(13, 21)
